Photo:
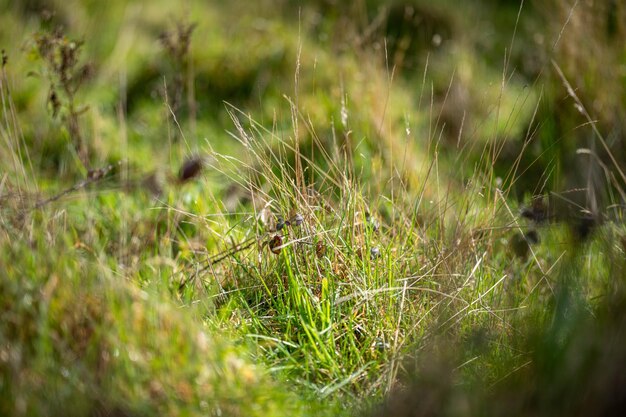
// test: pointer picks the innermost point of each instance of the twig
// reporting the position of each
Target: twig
(93, 176)
(219, 258)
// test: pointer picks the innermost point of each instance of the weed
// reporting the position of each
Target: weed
(177, 42)
(66, 75)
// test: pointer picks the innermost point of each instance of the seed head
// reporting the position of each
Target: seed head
(320, 249)
(191, 168)
(297, 220)
(280, 223)
(275, 244)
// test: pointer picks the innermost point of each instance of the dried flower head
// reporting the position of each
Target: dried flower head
(538, 211)
(532, 237)
(280, 223)
(191, 168)
(320, 249)
(372, 223)
(275, 244)
(296, 220)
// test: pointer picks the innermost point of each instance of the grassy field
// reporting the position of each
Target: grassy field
(312, 208)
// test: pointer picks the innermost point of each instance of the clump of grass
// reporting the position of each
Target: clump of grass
(330, 283)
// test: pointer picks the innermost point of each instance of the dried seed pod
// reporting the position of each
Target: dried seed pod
(359, 332)
(275, 244)
(280, 223)
(372, 223)
(584, 226)
(191, 168)
(532, 237)
(537, 212)
(54, 101)
(380, 345)
(374, 252)
(320, 249)
(519, 245)
(297, 220)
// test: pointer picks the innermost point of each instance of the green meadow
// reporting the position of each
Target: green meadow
(312, 208)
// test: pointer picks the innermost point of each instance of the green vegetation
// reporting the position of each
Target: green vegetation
(388, 208)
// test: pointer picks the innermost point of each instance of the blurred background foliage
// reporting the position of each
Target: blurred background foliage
(371, 76)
